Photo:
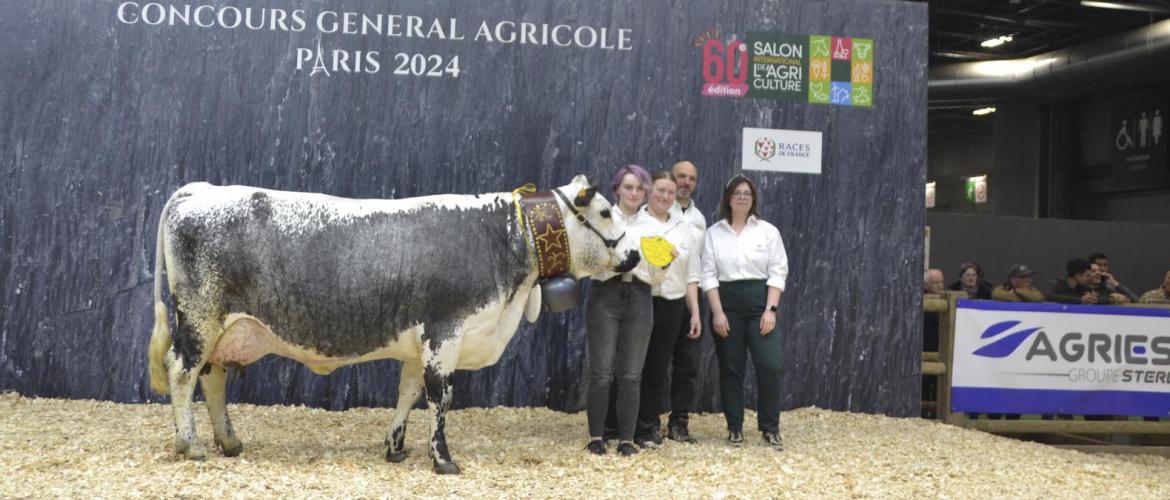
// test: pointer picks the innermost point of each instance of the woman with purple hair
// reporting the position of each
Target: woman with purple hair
(618, 319)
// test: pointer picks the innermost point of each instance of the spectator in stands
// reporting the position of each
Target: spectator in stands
(1106, 294)
(933, 282)
(971, 281)
(1018, 287)
(1102, 262)
(1074, 287)
(1158, 295)
(933, 285)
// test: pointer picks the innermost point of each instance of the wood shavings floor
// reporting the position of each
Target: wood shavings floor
(63, 448)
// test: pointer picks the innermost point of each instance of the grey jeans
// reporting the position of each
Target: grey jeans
(618, 320)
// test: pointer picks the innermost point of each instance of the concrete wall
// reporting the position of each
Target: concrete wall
(1137, 252)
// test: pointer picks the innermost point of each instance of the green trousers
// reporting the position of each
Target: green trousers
(743, 304)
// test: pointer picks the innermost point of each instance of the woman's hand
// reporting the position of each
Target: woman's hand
(696, 327)
(767, 322)
(719, 324)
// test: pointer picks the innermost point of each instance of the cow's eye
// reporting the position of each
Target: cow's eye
(605, 214)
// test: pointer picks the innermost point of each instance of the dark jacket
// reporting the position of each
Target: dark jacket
(983, 292)
(1059, 291)
(1103, 288)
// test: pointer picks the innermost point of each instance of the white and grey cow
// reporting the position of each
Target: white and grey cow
(439, 282)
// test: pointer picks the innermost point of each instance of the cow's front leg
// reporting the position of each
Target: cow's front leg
(214, 383)
(410, 387)
(440, 355)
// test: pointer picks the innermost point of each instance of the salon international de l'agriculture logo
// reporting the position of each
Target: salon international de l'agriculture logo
(820, 69)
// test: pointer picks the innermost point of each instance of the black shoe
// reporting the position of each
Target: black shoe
(648, 439)
(681, 434)
(655, 435)
(735, 437)
(627, 448)
(773, 439)
(596, 447)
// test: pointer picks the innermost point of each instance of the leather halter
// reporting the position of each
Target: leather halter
(542, 219)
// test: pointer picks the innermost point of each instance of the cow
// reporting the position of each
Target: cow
(438, 282)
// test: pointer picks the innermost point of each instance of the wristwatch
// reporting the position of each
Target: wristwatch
(773, 308)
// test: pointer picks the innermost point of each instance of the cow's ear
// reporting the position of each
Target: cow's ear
(585, 196)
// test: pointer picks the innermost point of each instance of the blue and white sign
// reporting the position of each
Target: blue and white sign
(1066, 359)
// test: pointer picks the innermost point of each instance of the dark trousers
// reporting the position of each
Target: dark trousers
(669, 316)
(743, 304)
(684, 373)
(617, 325)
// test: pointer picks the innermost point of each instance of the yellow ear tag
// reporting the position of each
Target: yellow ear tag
(657, 250)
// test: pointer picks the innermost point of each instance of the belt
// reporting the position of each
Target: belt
(626, 278)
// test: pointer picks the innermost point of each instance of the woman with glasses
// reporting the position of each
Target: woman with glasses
(744, 269)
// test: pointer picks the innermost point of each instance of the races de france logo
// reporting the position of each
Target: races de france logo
(1007, 344)
(765, 148)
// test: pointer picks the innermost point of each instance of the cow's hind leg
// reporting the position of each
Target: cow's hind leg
(440, 355)
(410, 387)
(214, 383)
(184, 361)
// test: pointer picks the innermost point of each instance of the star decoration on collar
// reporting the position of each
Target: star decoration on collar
(551, 238)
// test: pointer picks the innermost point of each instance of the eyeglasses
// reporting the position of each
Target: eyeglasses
(742, 194)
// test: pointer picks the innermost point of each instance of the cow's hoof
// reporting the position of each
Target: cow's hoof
(396, 456)
(193, 452)
(447, 468)
(231, 447)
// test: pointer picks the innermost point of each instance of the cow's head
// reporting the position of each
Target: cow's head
(594, 244)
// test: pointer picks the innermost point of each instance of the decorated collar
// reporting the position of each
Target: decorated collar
(540, 217)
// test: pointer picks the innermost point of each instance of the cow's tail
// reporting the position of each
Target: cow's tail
(160, 340)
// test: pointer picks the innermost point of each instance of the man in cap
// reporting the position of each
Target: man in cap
(1018, 287)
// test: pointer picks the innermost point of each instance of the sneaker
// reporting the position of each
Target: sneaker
(627, 448)
(735, 437)
(596, 447)
(681, 434)
(773, 439)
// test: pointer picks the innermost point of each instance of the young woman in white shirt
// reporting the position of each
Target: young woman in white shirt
(677, 295)
(744, 269)
(618, 318)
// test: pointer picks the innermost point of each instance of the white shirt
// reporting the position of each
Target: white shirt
(635, 227)
(691, 215)
(756, 253)
(687, 265)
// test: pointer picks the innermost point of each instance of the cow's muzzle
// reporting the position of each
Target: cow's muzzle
(631, 261)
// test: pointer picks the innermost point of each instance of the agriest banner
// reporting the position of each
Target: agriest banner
(1055, 358)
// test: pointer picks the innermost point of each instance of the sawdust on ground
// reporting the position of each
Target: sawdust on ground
(65, 448)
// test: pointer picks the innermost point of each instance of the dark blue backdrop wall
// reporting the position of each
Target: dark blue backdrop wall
(106, 108)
